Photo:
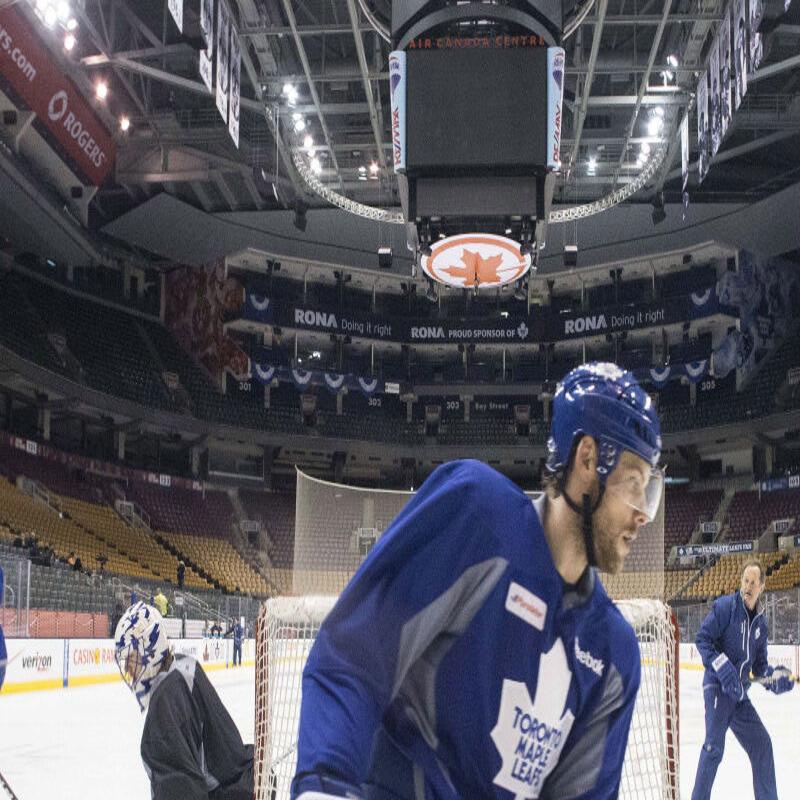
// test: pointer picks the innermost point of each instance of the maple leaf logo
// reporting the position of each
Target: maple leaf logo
(522, 331)
(530, 736)
(476, 268)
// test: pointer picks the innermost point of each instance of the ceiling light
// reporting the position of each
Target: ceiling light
(373, 168)
(316, 167)
(592, 162)
(362, 169)
(50, 16)
(124, 123)
(308, 142)
(300, 125)
(654, 126)
(69, 42)
(72, 24)
(645, 148)
(672, 60)
(288, 89)
(63, 10)
(101, 90)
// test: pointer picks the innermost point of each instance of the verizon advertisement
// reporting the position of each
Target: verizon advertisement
(27, 69)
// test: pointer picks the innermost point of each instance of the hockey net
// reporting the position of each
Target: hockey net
(287, 627)
(335, 526)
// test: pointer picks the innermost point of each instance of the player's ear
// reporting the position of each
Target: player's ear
(585, 463)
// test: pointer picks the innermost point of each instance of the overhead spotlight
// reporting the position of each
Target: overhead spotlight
(654, 125)
(63, 10)
(645, 149)
(290, 92)
(431, 293)
(571, 255)
(672, 60)
(72, 23)
(659, 214)
(658, 111)
(300, 125)
(362, 168)
(101, 90)
(300, 208)
(50, 16)
(373, 168)
(124, 123)
(308, 142)
(385, 257)
(316, 166)
(69, 42)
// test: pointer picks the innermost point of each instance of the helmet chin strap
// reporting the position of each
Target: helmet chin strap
(586, 511)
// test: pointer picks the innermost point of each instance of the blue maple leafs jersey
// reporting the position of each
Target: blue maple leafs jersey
(458, 648)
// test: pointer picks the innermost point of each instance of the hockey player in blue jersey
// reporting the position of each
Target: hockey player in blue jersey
(732, 642)
(475, 653)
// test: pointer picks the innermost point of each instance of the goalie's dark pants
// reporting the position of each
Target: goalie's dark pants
(743, 720)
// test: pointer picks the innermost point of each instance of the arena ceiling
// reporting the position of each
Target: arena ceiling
(620, 69)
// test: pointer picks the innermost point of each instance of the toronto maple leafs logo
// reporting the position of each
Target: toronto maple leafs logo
(522, 331)
(529, 736)
(476, 261)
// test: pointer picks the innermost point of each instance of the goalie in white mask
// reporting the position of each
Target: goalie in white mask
(191, 748)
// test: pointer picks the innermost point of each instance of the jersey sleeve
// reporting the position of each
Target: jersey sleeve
(590, 768)
(712, 631)
(426, 577)
(172, 746)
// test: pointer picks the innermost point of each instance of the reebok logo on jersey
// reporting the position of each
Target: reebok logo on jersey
(526, 605)
(588, 660)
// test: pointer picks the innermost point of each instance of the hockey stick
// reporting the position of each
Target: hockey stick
(9, 790)
(770, 680)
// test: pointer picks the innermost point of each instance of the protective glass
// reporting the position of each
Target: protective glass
(640, 494)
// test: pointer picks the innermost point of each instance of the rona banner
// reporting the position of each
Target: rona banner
(28, 72)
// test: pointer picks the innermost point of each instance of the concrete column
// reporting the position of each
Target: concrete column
(196, 455)
(119, 444)
(44, 423)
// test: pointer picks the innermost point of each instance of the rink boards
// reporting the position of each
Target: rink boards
(35, 664)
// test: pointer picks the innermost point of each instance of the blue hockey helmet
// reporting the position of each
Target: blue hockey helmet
(605, 402)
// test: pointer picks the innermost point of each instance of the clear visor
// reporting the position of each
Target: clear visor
(131, 665)
(643, 495)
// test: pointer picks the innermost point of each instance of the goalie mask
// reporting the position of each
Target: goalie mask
(140, 648)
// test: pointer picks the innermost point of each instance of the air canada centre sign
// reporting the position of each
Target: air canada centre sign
(28, 70)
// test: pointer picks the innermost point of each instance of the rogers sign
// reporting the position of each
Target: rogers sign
(59, 107)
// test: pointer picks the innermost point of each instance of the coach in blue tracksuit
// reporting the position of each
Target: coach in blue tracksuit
(732, 642)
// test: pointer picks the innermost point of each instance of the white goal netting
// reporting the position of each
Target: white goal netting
(335, 527)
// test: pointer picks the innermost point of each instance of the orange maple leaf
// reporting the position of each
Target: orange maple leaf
(476, 267)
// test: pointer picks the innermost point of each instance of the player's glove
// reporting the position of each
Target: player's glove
(728, 677)
(318, 786)
(781, 680)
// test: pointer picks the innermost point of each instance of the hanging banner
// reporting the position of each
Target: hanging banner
(685, 163)
(223, 58)
(207, 32)
(756, 41)
(702, 127)
(236, 86)
(68, 121)
(176, 9)
(740, 52)
(715, 117)
(725, 69)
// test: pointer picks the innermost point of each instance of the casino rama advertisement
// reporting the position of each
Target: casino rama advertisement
(29, 73)
(35, 664)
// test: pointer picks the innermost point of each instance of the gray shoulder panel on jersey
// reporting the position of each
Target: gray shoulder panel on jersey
(577, 771)
(429, 634)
